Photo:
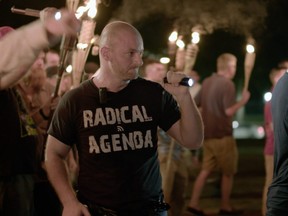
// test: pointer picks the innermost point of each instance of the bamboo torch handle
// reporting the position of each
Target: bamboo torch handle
(190, 58)
(248, 67)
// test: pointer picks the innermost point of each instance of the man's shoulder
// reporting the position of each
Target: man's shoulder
(83, 89)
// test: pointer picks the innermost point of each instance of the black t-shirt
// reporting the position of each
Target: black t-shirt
(278, 191)
(116, 140)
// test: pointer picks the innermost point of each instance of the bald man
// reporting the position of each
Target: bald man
(113, 119)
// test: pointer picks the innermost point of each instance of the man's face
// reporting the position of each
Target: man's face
(52, 59)
(37, 79)
(231, 69)
(155, 72)
(39, 62)
(126, 56)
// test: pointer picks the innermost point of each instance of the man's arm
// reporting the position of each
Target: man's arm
(230, 111)
(21, 47)
(55, 155)
(188, 131)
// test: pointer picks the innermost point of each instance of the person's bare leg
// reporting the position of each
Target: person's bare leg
(226, 188)
(197, 189)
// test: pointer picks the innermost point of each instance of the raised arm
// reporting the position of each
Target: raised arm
(21, 47)
(230, 111)
(188, 131)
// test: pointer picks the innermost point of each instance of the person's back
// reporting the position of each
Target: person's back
(277, 199)
(217, 93)
(275, 75)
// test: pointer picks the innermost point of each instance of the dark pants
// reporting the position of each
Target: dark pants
(143, 212)
(152, 208)
(46, 200)
(16, 196)
(276, 212)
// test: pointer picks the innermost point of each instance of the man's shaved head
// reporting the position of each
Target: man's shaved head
(114, 31)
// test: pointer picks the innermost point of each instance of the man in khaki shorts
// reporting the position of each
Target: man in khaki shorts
(218, 152)
(217, 101)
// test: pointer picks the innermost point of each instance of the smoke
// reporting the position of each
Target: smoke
(245, 17)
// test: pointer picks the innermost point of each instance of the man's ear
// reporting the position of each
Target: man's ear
(105, 53)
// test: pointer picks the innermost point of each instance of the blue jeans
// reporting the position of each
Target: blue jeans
(16, 196)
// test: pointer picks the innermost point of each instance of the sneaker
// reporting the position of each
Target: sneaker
(233, 212)
(195, 212)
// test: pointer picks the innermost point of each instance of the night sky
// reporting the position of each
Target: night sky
(227, 27)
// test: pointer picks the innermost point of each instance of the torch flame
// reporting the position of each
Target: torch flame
(173, 36)
(195, 37)
(90, 8)
(87, 14)
(164, 60)
(180, 44)
(250, 48)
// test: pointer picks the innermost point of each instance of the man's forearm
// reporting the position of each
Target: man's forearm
(58, 176)
(191, 125)
(19, 50)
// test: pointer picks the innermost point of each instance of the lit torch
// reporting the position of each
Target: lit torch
(249, 61)
(180, 54)
(85, 40)
(172, 47)
(72, 5)
(192, 51)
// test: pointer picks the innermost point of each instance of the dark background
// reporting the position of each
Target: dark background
(271, 41)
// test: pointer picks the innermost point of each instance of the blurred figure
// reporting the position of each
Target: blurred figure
(51, 73)
(89, 70)
(40, 105)
(277, 198)
(283, 64)
(38, 93)
(18, 131)
(173, 167)
(275, 75)
(66, 83)
(153, 70)
(217, 101)
(52, 58)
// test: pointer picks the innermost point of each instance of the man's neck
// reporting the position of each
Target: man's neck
(111, 83)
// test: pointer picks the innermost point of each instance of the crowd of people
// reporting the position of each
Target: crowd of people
(118, 144)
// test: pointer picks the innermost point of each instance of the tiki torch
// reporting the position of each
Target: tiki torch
(66, 47)
(180, 54)
(172, 50)
(249, 61)
(172, 47)
(85, 40)
(192, 51)
(72, 4)
(26, 11)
